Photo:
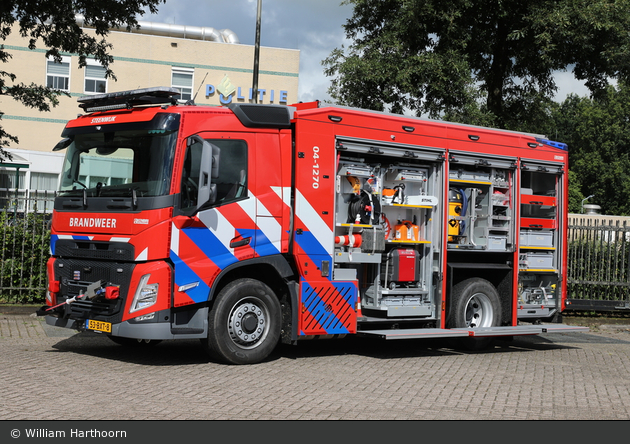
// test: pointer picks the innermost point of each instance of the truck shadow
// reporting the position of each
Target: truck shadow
(165, 353)
(411, 348)
(190, 352)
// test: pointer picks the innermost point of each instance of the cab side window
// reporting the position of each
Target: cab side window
(232, 181)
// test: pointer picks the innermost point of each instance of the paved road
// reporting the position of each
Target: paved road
(50, 373)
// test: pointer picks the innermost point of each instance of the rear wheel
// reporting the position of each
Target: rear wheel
(475, 303)
(244, 324)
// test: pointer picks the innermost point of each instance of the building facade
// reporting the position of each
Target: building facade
(208, 66)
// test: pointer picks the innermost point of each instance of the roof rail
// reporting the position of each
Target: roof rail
(158, 95)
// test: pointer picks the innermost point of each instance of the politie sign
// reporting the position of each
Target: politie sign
(228, 92)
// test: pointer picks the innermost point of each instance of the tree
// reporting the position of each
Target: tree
(597, 131)
(487, 62)
(52, 24)
(575, 194)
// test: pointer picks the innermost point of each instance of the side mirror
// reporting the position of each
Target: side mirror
(63, 144)
(209, 169)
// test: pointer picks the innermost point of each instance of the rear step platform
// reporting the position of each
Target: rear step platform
(520, 330)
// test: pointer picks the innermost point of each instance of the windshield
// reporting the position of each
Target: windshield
(119, 163)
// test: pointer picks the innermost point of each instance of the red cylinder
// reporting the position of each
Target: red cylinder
(353, 240)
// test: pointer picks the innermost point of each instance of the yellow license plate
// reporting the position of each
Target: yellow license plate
(105, 327)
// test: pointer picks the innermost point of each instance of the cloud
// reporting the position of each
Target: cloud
(568, 84)
(312, 26)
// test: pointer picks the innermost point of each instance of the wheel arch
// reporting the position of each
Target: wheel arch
(499, 275)
(274, 271)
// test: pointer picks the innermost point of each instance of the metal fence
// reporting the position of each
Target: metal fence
(24, 244)
(598, 275)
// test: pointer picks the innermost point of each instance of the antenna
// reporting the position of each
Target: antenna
(190, 102)
(257, 52)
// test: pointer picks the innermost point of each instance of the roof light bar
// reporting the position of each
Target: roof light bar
(127, 99)
(559, 145)
(106, 108)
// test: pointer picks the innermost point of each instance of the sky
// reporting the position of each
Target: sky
(312, 26)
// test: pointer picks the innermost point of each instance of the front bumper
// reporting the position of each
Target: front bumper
(164, 325)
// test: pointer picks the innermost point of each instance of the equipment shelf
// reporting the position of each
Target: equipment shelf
(421, 241)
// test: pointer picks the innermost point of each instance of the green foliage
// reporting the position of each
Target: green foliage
(24, 250)
(52, 24)
(597, 131)
(485, 62)
(575, 193)
(493, 63)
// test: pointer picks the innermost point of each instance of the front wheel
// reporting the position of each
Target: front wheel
(244, 324)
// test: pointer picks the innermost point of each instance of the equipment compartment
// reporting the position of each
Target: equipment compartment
(383, 233)
(480, 209)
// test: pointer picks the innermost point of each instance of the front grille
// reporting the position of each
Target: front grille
(115, 251)
(75, 275)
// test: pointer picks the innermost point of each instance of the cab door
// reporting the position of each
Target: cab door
(223, 230)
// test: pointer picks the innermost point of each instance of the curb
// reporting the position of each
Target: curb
(18, 309)
(614, 327)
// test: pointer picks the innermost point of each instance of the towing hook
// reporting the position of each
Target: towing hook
(55, 309)
(46, 310)
(42, 311)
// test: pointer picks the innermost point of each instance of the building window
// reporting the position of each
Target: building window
(7, 179)
(182, 80)
(58, 74)
(44, 181)
(42, 191)
(10, 198)
(95, 81)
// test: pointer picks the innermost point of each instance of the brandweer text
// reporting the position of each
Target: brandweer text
(91, 222)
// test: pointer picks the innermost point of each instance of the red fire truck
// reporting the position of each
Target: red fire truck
(249, 225)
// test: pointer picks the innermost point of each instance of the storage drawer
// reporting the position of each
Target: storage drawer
(536, 238)
(536, 260)
(530, 222)
(538, 211)
(481, 176)
(497, 243)
(533, 199)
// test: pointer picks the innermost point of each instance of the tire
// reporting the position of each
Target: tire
(475, 303)
(244, 323)
(132, 342)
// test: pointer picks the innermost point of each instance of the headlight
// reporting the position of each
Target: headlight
(146, 294)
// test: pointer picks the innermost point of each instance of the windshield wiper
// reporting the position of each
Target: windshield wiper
(79, 182)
